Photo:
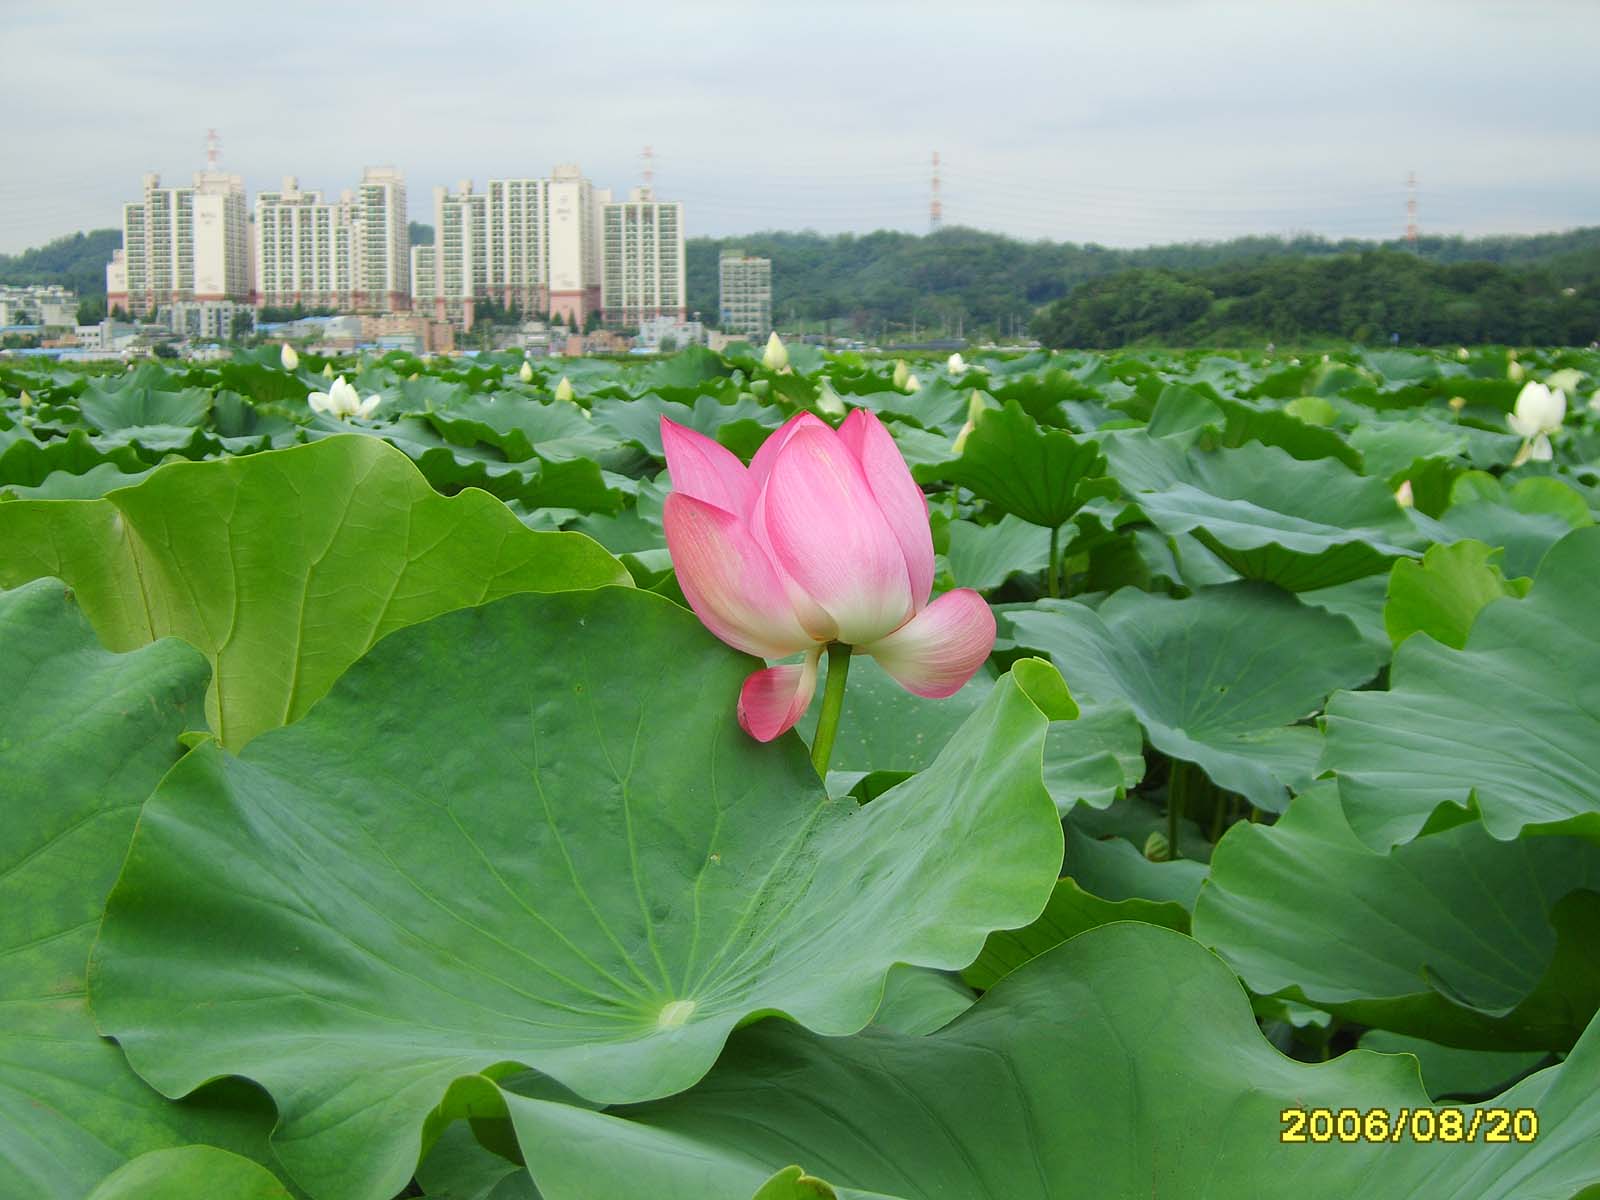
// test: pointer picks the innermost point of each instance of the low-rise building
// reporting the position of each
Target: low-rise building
(669, 333)
(50, 306)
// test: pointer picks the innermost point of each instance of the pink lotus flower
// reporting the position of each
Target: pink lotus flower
(823, 538)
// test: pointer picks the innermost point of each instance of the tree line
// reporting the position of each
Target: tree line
(1375, 296)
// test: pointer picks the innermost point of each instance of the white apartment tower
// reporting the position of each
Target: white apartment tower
(573, 265)
(382, 245)
(182, 243)
(745, 293)
(304, 248)
(424, 277)
(643, 254)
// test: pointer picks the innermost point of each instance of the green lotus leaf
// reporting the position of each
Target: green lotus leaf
(1122, 1065)
(458, 1167)
(285, 567)
(985, 556)
(1453, 937)
(1070, 912)
(1442, 595)
(1525, 520)
(1219, 679)
(1268, 515)
(1451, 1071)
(638, 421)
(1095, 758)
(555, 432)
(917, 1000)
(133, 407)
(84, 737)
(1506, 726)
(190, 1173)
(578, 862)
(1043, 476)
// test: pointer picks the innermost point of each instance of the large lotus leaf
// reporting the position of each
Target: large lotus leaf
(533, 832)
(639, 421)
(132, 408)
(190, 1173)
(1095, 757)
(1506, 726)
(84, 737)
(1219, 679)
(284, 567)
(459, 1168)
(1450, 937)
(1525, 519)
(1442, 595)
(521, 428)
(1268, 515)
(1123, 1065)
(1040, 475)
(1451, 1071)
(985, 556)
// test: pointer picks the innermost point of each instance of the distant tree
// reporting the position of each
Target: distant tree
(667, 344)
(165, 350)
(91, 310)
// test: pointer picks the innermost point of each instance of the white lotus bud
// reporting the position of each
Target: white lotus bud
(956, 365)
(901, 374)
(564, 390)
(775, 357)
(1403, 496)
(525, 372)
(289, 359)
(327, 370)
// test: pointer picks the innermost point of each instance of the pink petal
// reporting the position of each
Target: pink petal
(939, 649)
(827, 532)
(728, 581)
(771, 701)
(899, 498)
(761, 463)
(705, 470)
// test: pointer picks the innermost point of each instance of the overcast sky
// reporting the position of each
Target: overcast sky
(1126, 122)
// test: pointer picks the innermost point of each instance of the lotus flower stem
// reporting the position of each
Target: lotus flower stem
(832, 707)
(1053, 567)
(1180, 783)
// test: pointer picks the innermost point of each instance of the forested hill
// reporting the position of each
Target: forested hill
(78, 262)
(987, 280)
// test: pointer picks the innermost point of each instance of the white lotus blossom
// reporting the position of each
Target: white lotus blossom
(525, 372)
(289, 359)
(343, 401)
(1458, 402)
(775, 357)
(1461, 353)
(1538, 413)
(956, 365)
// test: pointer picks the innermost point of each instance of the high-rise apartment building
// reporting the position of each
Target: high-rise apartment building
(424, 277)
(745, 289)
(643, 257)
(575, 211)
(182, 243)
(304, 248)
(382, 245)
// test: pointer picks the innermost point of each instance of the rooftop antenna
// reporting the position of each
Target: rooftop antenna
(213, 149)
(649, 157)
(935, 209)
(1411, 212)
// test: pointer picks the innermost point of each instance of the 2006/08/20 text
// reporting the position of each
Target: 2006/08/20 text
(1489, 1125)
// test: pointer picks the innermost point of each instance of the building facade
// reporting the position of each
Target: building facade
(643, 274)
(745, 293)
(381, 243)
(182, 243)
(304, 248)
(49, 305)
